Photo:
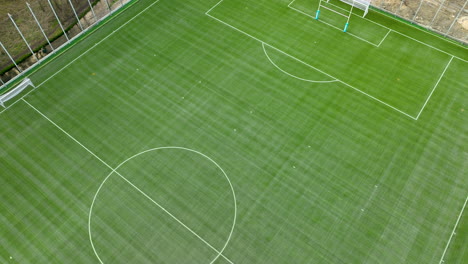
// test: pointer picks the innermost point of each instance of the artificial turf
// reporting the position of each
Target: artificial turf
(301, 171)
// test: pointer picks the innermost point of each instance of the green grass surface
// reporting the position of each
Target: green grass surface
(323, 172)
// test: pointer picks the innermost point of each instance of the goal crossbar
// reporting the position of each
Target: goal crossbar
(15, 91)
(360, 4)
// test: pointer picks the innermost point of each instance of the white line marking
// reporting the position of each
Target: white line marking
(66, 133)
(233, 26)
(348, 33)
(175, 218)
(291, 3)
(168, 147)
(435, 86)
(166, 211)
(396, 31)
(388, 33)
(434, 34)
(287, 73)
(67, 65)
(453, 231)
(206, 13)
(378, 100)
(393, 18)
(99, 42)
(430, 46)
(340, 29)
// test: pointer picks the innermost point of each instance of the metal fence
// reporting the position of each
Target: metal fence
(446, 17)
(38, 29)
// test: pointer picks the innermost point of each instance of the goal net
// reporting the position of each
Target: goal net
(15, 91)
(359, 4)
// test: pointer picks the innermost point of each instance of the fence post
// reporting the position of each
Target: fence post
(440, 7)
(76, 15)
(39, 24)
(417, 11)
(108, 6)
(21, 34)
(60, 23)
(456, 18)
(11, 58)
(92, 10)
(399, 8)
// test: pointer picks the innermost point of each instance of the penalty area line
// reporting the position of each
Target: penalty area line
(294, 76)
(173, 217)
(435, 86)
(263, 42)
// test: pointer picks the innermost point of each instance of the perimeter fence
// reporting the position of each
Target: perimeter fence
(446, 17)
(30, 32)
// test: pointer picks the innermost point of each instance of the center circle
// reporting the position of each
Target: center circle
(175, 187)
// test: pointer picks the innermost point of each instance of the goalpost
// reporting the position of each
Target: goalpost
(15, 91)
(360, 4)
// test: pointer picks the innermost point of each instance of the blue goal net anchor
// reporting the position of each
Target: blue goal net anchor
(346, 27)
(317, 14)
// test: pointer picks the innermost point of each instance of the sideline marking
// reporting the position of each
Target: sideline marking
(434, 35)
(453, 231)
(99, 42)
(220, 253)
(302, 79)
(435, 86)
(81, 55)
(378, 100)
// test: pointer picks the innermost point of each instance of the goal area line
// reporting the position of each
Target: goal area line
(414, 117)
(376, 44)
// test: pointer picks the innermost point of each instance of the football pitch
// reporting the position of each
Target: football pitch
(240, 131)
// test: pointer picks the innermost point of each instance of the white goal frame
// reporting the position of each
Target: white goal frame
(15, 91)
(360, 4)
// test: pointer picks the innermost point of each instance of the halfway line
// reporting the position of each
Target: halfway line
(66, 133)
(173, 217)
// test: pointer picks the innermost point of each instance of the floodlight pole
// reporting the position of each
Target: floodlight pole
(11, 58)
(60, 23)
(456, 18)
(74, 12)
(22, 36)
(42, 30)
(92, 11)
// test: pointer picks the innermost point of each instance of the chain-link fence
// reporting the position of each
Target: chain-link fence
(43, 26)
(446, 17)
